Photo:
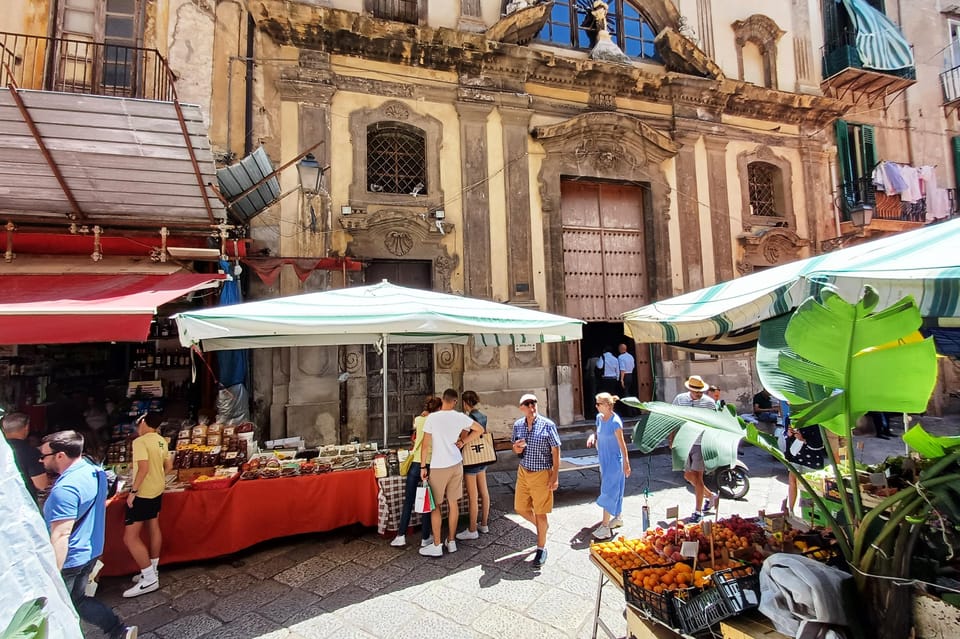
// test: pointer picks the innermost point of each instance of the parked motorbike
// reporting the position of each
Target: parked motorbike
(732, 482)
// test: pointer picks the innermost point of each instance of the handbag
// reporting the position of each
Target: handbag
(423, 501)
(408, 461)
(480, 451)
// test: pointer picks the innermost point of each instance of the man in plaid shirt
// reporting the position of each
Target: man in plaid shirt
(537, 442)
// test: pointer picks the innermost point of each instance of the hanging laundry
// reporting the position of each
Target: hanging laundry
(893, 173)
(911, 175)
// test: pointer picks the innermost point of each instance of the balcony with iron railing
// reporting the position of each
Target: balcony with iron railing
(845, 75)
(858, 193)
(76, 66)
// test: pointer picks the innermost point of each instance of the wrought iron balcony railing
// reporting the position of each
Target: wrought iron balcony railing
(77, 66)
(840, 52)
(855, 193)
(950, 83)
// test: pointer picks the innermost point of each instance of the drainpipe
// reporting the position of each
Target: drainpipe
(248, 104)
(906, 97)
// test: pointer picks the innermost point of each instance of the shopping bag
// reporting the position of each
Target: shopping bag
(423, 502)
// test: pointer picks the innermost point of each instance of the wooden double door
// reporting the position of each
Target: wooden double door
(606, 273)
(409, 366)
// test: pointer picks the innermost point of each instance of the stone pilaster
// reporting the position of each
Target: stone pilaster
(817, 192)
(719, 207)
(476, 198)
(516, 124)
(688, 207)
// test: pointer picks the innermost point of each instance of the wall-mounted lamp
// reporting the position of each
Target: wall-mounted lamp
(861, 215)
(346, 210)
(310, 173)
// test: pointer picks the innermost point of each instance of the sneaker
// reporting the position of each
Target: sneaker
(129, 632)
(695, 517)
(466, 534)
(426, 541)
(540, 558)
(603, 532)
(141, 589)
(431, 550)
(616, 522)
(707, 505)
(483, 529)
(399, 541)
(451, 546)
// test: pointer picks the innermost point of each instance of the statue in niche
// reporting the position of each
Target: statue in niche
(596, 22)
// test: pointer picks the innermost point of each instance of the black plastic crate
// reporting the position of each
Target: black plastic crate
(656, 605)
(740, 587)
(702, 610)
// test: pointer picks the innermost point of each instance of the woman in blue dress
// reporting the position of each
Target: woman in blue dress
(614, 464)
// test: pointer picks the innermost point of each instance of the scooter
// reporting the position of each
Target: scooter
(732, 482)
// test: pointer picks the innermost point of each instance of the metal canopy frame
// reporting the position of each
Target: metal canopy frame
(865, 85)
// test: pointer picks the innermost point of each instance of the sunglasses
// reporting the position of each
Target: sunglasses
(529, 403)
(49, 454)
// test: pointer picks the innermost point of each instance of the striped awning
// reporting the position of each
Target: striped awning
(880, 43)
(924, 263)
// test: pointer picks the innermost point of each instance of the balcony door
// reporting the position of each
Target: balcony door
(99, 51)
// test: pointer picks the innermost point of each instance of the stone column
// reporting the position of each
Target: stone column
(476, 198)
(817, 193)
(688, 207)
(719, 207)
(516, 124)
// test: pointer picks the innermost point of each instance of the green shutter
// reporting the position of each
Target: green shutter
(955, 144)
(870, 158)
(843, 151)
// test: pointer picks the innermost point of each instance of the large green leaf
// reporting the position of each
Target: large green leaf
(718, 432)
(928, 445)
(873, 357)
(29, 622)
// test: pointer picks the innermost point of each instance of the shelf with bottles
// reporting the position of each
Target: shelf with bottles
(150, 357)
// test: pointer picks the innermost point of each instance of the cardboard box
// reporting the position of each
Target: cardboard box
(189, 474)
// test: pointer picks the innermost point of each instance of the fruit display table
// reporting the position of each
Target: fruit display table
(202, 524)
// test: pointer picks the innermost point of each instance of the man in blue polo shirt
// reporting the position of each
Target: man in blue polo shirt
(536, 440)
(75, 513)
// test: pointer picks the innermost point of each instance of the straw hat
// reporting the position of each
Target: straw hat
(696, 384)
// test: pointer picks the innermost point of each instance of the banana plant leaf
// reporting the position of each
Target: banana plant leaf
(876, 359)
(928, 445)
(718, 432)
(29, 622)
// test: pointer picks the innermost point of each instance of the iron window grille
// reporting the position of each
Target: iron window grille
(396, 159)
(762, 182)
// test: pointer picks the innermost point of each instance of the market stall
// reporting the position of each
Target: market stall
(201, 524)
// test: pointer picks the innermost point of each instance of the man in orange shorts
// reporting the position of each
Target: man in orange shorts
(537, 442)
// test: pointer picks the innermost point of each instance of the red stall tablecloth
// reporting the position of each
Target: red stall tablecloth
(201, 524)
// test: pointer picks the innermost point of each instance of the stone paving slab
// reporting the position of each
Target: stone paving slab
(352, 583)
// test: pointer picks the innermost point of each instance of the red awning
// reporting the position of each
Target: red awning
(73, 308)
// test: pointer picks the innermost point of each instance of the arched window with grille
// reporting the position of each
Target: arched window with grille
(766, 189)
(629, 27)
(396, 159)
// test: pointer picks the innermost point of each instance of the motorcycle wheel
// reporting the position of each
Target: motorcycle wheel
(732, 483)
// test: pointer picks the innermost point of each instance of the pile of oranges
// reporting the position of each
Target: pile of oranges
(666, 578)
(623, 554)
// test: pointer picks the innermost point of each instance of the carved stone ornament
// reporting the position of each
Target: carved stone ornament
(482, 356)
(603, 154)
(770, 247)
(448, 357)
(396, 111)
(398, 242)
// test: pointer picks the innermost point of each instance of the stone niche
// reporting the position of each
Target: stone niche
(767, 247)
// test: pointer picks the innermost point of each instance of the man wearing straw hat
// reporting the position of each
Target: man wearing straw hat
(696, 396)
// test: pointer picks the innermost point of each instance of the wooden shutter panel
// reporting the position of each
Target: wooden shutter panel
(843, 151)
(955, 145)
(870, 158)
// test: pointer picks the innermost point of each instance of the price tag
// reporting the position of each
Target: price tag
(673, 512)
(689, 549)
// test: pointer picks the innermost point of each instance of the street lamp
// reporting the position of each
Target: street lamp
(861, 214)
(310, 174)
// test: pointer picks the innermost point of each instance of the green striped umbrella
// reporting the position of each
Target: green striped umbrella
(880, 43)
(380, 314)
(924, 263)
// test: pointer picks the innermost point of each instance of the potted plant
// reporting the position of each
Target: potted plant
(834, 361)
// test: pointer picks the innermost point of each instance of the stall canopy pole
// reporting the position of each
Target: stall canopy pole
(383, 373)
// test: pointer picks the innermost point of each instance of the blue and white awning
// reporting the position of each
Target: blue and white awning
(924, 263)
(880, 43)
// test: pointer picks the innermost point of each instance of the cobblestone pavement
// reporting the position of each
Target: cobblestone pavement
(352, 583)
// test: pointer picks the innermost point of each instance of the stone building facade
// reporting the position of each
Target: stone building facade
(536, 154)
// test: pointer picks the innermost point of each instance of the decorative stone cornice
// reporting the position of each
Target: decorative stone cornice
(496, 68)
(647, 145)
(759, 29)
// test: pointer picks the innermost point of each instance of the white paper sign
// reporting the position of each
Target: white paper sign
(689, 549)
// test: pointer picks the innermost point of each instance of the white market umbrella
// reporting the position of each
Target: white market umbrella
(924, 263)
(379, 314)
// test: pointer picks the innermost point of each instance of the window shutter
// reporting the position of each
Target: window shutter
(843, 151)
(870, 158)
(955, 145)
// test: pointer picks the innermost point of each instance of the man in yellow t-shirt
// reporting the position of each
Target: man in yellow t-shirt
(151, 462)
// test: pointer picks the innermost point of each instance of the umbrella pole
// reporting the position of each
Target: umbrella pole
(383, 373)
